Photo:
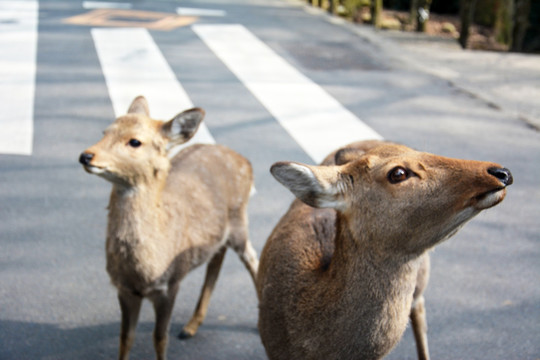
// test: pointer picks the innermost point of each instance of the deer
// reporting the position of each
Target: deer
(167, 216)
(346, 266)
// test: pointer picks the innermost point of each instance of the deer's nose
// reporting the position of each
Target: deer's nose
(85, 158)
(503, 174)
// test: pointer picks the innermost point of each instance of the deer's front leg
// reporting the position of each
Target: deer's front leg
(130, 305)
(163, 306)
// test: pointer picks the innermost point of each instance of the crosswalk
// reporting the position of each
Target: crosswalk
(317, 121)
(132, 64)
(18, 46)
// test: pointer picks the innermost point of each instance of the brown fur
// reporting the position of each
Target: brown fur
(167, 217)
(339, 280)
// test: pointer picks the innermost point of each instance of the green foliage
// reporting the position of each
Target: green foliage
(485, 12)
(353, 7)
(503, 22)
(494, 14)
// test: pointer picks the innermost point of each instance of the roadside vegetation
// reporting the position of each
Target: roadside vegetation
(499, 25)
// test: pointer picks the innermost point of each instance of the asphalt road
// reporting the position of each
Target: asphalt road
(483, 301)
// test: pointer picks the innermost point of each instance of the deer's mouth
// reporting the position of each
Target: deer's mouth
(105, 173)
(92, 169)
(490, 198)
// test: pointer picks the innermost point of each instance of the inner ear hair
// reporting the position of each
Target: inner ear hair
(299, 179)
(183, 126)
(188, 122)
(317, 186)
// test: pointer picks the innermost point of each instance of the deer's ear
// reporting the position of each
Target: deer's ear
(139, 106)
(183, 126)
(317, 186)
(347, 155)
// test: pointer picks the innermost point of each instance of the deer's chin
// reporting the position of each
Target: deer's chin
(105, 174)
(490, 198)
(96, 170)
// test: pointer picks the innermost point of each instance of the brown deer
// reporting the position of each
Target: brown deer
(346, 266)
(168, 216)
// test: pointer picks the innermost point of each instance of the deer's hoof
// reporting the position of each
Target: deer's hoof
(184, 335)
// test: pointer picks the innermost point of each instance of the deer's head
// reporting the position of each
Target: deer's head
(397, 198)
(134, 148)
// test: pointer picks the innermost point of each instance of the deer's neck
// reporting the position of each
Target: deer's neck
(135, 213)
(361, 255)
(375, 288)
(137, 248)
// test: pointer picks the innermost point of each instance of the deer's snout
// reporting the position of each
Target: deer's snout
(503, 174)
(85, 158)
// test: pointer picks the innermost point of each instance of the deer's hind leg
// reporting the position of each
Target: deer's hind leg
(418, 311)
(239, 241)
(419, 326)
(212, 273)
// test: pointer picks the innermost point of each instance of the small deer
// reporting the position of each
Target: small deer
(168, 216)
(346, 266)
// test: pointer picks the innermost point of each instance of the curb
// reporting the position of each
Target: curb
(388, 46)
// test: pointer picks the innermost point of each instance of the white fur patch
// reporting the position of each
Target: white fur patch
(490, 199)
(176, 128)
(305, 171)
(252, 191)
(94, 169)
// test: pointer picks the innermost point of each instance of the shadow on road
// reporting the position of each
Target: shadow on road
(23, 340)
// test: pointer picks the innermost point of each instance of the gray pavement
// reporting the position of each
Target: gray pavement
(510, 82)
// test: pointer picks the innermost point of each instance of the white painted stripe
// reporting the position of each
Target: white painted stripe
(317, 121)
(133, 65)
(200, 12)
(18, 47)
(106, 5)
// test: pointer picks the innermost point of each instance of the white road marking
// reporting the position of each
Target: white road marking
(317, 121)
(18, 48)
(133, 65)
(200, 12)
(105, 5)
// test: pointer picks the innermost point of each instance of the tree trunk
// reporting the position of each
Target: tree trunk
(376, 13)
(466, 12)
(331, 6)
(521, 23)
(504, 21)
(414, 12)
(423, 15)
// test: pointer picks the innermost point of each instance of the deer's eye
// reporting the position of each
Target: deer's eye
(398, 174)
(134, 143)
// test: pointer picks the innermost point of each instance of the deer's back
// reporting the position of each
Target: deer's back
(211, 175)
(208, 189)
